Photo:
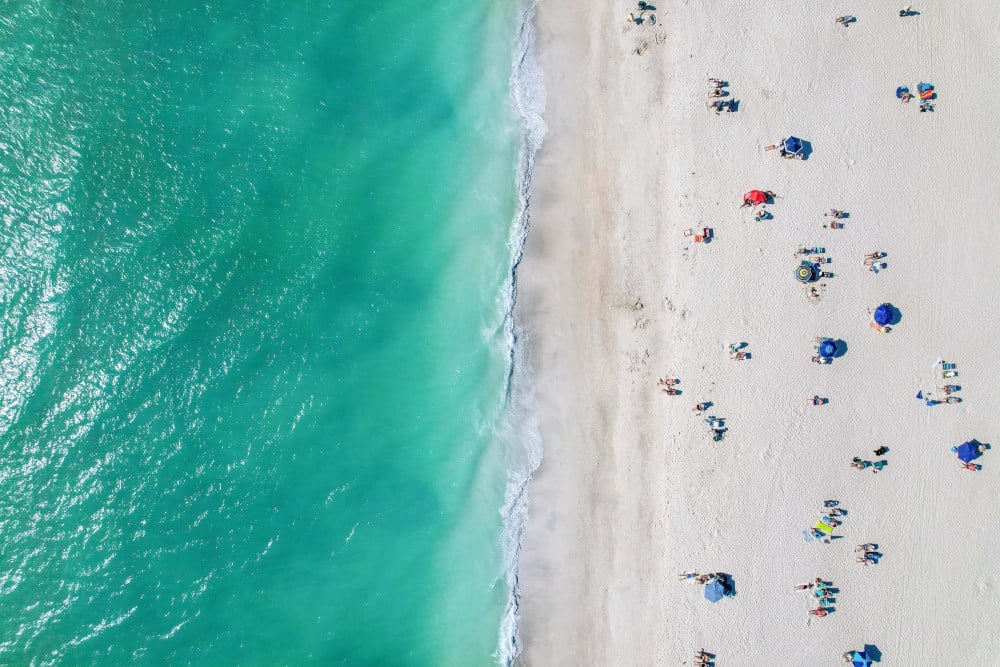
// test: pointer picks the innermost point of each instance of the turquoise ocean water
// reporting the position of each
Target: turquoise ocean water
(256, 376)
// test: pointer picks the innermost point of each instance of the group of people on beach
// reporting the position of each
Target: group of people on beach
(874, 466)
(867, 554)
(716, 94)
(698, 578)
(640, 18)
(823, 593)
(669, 386)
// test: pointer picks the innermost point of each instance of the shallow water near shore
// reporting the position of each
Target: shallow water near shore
(255, 261)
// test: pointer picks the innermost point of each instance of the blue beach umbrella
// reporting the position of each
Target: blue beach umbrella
(714, 591)
(883, 314)
(827, 348)
(793, 145)
(901, 90)
(860, 659)
(967, 452)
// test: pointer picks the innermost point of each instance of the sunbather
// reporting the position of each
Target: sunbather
(819, 612)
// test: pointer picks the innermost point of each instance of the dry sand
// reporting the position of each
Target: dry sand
(612, 296)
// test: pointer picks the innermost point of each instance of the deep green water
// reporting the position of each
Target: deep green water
(252, 352)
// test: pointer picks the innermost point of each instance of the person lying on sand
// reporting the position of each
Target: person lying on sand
(802, 587)
(684, 576)
(819, 612)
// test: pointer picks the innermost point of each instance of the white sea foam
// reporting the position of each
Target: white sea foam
(520, 423)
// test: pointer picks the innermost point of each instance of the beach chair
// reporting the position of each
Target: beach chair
(688, 232)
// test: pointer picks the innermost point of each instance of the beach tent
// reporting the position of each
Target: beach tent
(755, 197)
(806, 272)
(714, 591)
(883, 314)
(967, 452)
(793, 145)
(827, 348)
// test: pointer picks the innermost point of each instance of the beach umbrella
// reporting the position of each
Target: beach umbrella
(714, 591)
(805, 273)
(967, 452)
(901, 90)
(755, 197)
(827, 348)
(793, 145)
(860, 659)
(883, 314)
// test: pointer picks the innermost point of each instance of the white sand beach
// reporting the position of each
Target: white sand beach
(612, 296)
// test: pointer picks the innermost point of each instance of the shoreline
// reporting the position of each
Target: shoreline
(612, 296)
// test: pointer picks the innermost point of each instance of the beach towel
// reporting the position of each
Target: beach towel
(823, 528)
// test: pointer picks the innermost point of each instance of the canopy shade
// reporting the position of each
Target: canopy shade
(883, 314)
(860, 659)
(714, 591)
(968, 452)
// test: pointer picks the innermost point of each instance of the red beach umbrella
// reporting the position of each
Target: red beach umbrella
(755, 197)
